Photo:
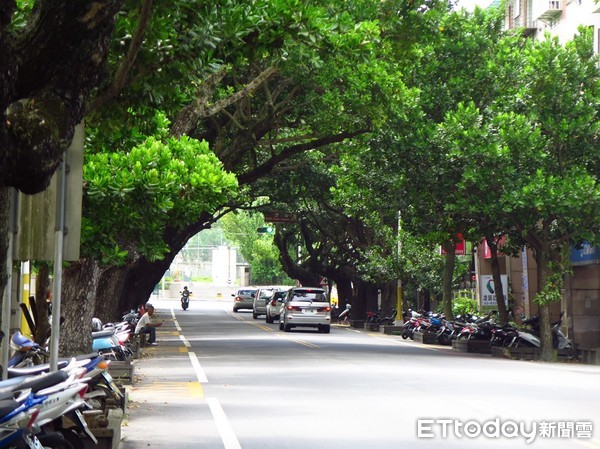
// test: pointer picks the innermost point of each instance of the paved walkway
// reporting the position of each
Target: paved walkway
(163, 400)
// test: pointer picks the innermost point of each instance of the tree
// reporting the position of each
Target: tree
(531, 158)
(407, 167)
(554, 200)
(52, 56)
(253, 91)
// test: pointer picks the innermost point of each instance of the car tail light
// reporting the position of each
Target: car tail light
(324, 309)
(273, 302)
(238, 298)
(294, 308)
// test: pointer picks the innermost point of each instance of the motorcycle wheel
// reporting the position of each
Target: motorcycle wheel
(54, 440)
(73, 438)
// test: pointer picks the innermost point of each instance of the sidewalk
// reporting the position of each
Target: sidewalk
(163, 400)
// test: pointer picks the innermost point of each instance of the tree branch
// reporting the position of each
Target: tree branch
(263, 169)
(200, 108)
(124, 69)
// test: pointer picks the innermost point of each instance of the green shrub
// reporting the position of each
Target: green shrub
(464, 304)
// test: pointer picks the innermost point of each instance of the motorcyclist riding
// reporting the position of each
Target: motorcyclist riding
(185, 298)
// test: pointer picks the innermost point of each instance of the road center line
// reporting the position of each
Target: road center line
(299, 341)
(228, 437)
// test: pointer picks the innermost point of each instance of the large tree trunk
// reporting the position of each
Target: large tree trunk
(42, 287)
(89, 291)
(364, 299)
(389, 298)
(449, 263)
(141, 281)
(498, 289)
(4, 213)
(78, 305)
(543, 272)
(111, 285)
(344, 290)
(47, 72)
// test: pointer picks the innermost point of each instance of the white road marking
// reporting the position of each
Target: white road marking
(197, 368)
(228, 437)
(185, 342)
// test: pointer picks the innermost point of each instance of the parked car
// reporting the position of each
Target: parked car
(262, 297)
(308, 307)
(244, 298)
(274, 304)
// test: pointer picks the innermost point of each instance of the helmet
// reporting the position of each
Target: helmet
(96, 325)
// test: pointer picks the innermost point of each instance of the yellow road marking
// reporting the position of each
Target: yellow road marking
(261, 326)
(301, 342)
(196, 390)
(159, 391)
(270, 329)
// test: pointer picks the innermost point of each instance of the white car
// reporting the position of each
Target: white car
(306, 307)
(274, 304)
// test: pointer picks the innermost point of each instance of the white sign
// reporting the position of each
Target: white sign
(488, 290)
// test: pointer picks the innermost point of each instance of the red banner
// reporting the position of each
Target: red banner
(487, 253)
(460, 248)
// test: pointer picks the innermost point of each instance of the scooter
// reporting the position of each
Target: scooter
(344, 317)
(185, 299)
(26, 352)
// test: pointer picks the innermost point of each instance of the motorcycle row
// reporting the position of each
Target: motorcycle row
(470, 327)
(41, 408)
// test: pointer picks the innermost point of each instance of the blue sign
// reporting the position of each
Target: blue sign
(586, 255)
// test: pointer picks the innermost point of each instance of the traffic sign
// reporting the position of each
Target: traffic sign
(279, 217)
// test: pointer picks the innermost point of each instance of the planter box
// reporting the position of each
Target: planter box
(426, 338)
(392, 330)
(122, 371)
(109, 437)
(473, 346)
(590, 356)
(138, 341)
(372, 327)
(357, 324)
(105, 439)
(526, 353)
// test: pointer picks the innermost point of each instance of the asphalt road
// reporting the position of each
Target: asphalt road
(220, 379)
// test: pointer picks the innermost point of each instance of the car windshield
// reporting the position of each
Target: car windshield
(309, 297)
(246, 292)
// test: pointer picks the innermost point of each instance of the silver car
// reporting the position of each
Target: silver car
(263, 297)
(307, 307)
(244, 298)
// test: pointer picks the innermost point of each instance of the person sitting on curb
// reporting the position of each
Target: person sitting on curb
(147, 326)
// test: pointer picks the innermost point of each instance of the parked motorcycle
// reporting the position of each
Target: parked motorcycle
(344, 316)
(26, 352)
